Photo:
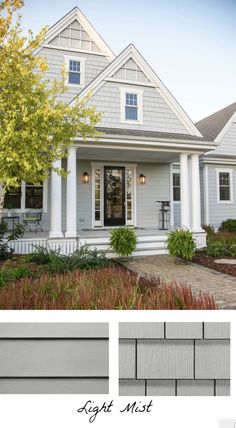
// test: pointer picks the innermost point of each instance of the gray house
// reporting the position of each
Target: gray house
(131, 175)
(218, 172)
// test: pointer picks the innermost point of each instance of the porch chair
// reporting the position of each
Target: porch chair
(30, 218)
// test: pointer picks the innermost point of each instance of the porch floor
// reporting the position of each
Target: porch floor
(99, 233)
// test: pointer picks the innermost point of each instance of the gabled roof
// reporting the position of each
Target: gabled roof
(118, 62)
(76, 15)
(211, 126)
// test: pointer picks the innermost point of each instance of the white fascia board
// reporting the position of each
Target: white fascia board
(152, 145)
(223, 161)
(226, 128)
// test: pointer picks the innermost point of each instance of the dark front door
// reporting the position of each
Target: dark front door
(114, 196)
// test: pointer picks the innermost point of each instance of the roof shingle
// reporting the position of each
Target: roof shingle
(212, 125)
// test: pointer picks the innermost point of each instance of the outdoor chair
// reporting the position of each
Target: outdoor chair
(33, 218)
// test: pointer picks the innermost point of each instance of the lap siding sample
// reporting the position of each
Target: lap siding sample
(68, 362)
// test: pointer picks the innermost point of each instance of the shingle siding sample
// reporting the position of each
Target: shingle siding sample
(139, 330)
(191, 359)
(127, 358)
(54, 358)
(161, 387)
(163, 359)
(212, 359)
(180, 330)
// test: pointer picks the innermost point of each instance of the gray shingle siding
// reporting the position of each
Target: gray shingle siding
(157, 188)
(55, 58)
(157, 115)
(219, 211)
(178, 359)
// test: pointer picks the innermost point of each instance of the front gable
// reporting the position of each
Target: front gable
(75, 33)
(129, 72)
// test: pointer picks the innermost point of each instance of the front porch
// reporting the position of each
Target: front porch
(150, 242)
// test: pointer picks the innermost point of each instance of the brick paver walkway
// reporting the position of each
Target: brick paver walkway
(222, 287)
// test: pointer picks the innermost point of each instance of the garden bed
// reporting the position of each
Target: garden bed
(202, 259)
(86, 279)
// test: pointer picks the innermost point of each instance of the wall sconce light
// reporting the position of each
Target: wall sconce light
(142, 179)
(85, 177)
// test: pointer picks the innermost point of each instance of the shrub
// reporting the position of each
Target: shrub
(180, 243)
(9, 275)
(209, 230)
(123, 241)
(106, 288)
(82, 258)
(218, 248)
(228, 225)
(6, 236)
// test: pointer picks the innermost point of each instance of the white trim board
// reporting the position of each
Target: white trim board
(132, 52)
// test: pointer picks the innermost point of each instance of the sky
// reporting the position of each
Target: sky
(191, 44)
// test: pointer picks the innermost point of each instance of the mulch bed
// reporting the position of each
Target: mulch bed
(204, 260)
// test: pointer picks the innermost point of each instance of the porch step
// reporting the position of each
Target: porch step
(147, 245)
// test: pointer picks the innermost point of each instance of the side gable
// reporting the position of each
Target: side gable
(221, 126)
(130, 68)
(74, 32)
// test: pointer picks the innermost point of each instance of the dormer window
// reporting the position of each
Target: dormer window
(75, 68)
(74, 72)
(131, 105)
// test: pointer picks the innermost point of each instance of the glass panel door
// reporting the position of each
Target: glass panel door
(114, 196)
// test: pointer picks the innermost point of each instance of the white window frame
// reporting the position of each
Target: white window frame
(131, 90)
(82, 71)
(23, 209)
(172, 184)
(230, 172)
(99, 165)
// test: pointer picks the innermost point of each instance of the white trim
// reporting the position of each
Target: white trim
(226, 128)
(222, 161)
(171, 145)
(76, 14)
(73, 50)
(230, 171)
(172, 221)
(67, 59)
(206, 194)
(97, 165)
(139, 92)
(130, 82)
(132, 52)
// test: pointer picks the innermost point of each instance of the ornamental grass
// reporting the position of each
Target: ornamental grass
(106, 288)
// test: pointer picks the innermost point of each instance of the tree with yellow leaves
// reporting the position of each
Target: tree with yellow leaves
(35, 128)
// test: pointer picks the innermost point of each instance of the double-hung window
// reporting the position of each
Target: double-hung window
(75, 68)
(74, 76)
(224, 185)
(131, 105)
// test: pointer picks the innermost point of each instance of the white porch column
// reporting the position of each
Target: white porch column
(55, 231)
(71, 217)
(196, 202)
(184, 190)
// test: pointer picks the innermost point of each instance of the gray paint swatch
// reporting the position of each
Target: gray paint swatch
(54, 358)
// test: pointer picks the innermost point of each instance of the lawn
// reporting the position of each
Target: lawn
(87, 280)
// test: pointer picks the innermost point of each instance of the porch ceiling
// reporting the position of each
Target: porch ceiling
(124, 155)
